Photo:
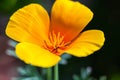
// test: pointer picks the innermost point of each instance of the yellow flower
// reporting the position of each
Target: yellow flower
(43, 39)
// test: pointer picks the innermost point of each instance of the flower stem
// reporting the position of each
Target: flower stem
(56, 72)
(49, 73)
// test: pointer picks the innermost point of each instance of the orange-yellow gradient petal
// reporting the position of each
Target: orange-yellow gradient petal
(87, 43)
(35, 55)
(30, 23)
(69, 18)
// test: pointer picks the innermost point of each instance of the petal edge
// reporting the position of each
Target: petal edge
(69, 18)
(88, 42)
(27, 23)
(35, 55)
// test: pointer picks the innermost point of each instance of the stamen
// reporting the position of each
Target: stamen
(56, 43)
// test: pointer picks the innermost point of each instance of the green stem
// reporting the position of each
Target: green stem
(49, 74)
(56, 72)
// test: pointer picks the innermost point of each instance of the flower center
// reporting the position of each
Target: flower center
(56, 43)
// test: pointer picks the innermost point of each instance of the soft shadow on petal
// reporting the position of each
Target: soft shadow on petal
(87, 43)
(30, 24)
(35, 55)
(69, 18)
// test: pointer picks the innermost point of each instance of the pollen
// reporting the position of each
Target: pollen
(56, 43)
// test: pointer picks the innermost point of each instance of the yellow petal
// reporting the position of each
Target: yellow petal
(35, 55)
(87, 43)
(69, 18)
(30, 23)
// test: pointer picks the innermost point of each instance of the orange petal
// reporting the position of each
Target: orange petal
(69, 18)
(30, 23)
(35, 55)
(87, 43)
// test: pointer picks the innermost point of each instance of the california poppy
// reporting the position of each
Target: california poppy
(42, 39)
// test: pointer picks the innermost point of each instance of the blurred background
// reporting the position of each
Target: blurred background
(105, 62)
